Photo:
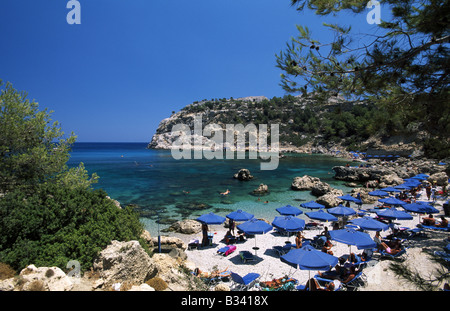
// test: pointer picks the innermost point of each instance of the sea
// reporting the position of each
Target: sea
(164, 190)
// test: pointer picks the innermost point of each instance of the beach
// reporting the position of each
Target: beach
(269, 266)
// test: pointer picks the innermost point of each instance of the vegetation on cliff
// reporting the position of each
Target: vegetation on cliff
(311, 119)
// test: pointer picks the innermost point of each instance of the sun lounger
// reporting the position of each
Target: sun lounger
(281, 284)
(281, 250)
(246, 256)
(436, 228)
(359, 280)
(322, 283)
(318, 241)
(445, 254)
(226, 250)
(245, 282)
(194, 243)
(399, 255)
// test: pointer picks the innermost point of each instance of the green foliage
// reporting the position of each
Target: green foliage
(49, 213)
(57, 224)
(402, 68)
(32, 147)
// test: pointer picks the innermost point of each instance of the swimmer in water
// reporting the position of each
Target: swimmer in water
(226, 192)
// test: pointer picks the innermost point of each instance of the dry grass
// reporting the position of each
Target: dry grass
(6, 272)
(157, 283)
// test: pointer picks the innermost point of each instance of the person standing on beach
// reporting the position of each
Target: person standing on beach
(428, 191)
(205, 240)
(231, 225)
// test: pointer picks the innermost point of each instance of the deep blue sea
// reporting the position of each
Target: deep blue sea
(163, 188)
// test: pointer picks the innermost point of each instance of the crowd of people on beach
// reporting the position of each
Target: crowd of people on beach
(351, 265)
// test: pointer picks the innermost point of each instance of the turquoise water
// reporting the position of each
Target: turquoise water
(160, 186)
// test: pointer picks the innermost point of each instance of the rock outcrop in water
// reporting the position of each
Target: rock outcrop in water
(327, 195)
(243, 175)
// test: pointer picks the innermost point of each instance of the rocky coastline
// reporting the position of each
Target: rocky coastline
(124, 266)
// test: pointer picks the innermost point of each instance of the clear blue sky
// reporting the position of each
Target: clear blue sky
(132, 62)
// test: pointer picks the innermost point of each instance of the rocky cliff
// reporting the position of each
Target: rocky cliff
(306, 124)
(285, 112)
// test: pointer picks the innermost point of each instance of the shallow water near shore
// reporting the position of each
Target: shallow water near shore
(163, 188)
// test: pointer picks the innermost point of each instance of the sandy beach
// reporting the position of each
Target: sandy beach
(269, 266)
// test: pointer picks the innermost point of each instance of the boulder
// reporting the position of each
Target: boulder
(261, 190)
(45, 278)
(187, 226)
(243, 174)
(304, 183)
(360, 174)
(168, 269)
(7, 285)
(391, 180)
(441, 178)
(124, 261)
(320, 188)
(364, 194)
(330, 199)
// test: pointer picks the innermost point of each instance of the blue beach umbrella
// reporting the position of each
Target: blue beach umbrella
(312, 205)
(308, 258)
(393, 213)
(419, 177)
(239, 215)
(352, 237)
(368, 223)
(289, 210)
(289, 223)
(379, 193)
(392, 201)
(420, 208)
(321, 215)
(348, 197)
(341, 211)
(211, 219)
(255, 226)
(391, 189)
(403, 186)
(412, 182)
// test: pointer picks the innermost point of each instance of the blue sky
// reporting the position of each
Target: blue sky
(129, 64)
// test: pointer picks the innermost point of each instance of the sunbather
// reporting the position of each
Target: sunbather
(299, 240)
(313, 285)
(389, 250)
(429, 221)
(327, 247)
(229, 237)
(352, 272)
(443, 223)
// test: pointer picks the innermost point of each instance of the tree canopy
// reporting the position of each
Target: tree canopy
(49, 213)
(403, 67)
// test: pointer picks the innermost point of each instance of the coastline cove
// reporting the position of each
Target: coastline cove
(165, 190)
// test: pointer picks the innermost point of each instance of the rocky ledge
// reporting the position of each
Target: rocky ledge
(121, 266)
(377, 173)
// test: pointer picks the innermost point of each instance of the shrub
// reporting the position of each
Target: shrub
(6, 271)
(57, 224)
(157, 283)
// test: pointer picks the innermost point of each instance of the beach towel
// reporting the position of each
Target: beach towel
(226, 250)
